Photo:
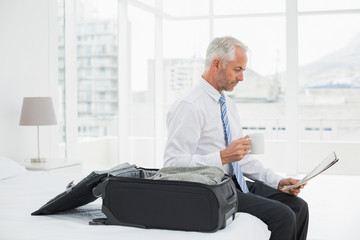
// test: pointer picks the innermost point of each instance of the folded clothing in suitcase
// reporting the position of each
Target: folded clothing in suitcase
(141, 197)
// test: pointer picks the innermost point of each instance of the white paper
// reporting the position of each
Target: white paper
(330, 160)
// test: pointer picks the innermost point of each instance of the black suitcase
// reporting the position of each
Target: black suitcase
(164, 204)
(131, 198)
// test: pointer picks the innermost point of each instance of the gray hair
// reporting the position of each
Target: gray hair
(224, 49)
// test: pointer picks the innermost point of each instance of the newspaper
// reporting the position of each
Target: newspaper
(325, 164)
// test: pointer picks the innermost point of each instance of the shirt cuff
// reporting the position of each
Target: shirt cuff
(274, 182)
(214, 159)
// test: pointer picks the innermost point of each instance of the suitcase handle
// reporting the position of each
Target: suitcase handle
(98, 221)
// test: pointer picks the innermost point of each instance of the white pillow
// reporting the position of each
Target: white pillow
(9, 168)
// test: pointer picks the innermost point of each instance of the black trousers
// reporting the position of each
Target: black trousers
(287, 216)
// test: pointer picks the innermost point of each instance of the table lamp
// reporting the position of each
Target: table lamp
(37, 111)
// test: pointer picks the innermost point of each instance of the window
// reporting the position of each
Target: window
(236, 7)
(260, 97)
(329, 77)
(61, 73)
(183, 56)
(186, 8)
(321, 5)
(142, 84)
(97, 65)
(130, 54)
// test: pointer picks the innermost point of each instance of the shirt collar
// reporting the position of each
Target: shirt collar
(210, 90)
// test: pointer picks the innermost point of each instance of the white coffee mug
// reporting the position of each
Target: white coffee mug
(257, 143)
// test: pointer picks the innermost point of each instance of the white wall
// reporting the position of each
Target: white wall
(28, 68)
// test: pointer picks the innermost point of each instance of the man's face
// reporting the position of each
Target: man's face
(233, 73)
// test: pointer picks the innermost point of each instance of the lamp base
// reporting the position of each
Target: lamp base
(38, 160)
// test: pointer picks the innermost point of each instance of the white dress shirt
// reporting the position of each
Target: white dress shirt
(196, 135)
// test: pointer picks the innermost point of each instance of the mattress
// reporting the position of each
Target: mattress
(25, 193)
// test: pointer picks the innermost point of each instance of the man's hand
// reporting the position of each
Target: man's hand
(236, 150)
(290, 181)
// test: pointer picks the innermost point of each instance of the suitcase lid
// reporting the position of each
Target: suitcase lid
(82, 193)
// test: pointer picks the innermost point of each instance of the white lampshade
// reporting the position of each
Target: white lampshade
(37, 111)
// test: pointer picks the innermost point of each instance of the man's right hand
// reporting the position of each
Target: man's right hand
(236, 150)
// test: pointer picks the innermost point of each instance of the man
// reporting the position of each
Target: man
(204, 129)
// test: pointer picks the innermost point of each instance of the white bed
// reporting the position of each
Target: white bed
(23, 192)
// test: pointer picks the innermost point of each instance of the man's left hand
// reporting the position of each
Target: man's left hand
(290, 181)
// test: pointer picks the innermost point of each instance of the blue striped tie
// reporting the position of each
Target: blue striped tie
(227, 133)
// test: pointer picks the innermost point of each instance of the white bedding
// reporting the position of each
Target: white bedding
(25, 193)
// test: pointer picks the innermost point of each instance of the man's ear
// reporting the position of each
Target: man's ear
(217, 64)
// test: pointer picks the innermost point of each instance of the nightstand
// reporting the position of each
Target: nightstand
(56, 165)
